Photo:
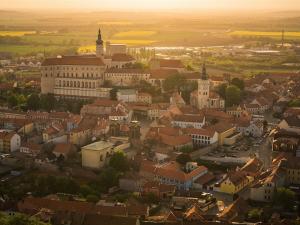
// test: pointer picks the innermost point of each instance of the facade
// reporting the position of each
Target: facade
(127, 95)
(203, 90)
(204, 97)
(9, 141)
(291, 124)
(202, 137)
(144, 98)
(234, 182)
(94, 155)
(126, 77)
(188, 121)
(80, 76)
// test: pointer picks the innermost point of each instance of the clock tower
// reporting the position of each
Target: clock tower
(203, 89)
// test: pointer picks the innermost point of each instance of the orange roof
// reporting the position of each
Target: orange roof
(162, 73)
(63, 148)
(122, 57)
(5, 135)
(173, 171)
(205, 132)
(222, 127)
(74, 60)
(171, 63)
(189, 118)
(175, 140)
(126, 70)
(105, 102)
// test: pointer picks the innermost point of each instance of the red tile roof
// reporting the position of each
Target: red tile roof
(122, 57)
(74, 60)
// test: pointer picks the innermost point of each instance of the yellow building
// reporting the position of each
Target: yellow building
(224, 130)
(234, 182)
(94, 155)
(80, 136)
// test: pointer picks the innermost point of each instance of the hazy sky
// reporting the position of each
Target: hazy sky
(150, 4)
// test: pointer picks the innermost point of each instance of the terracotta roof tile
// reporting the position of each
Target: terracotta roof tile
(74, 60)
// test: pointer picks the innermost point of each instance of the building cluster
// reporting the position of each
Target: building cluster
(174, 145)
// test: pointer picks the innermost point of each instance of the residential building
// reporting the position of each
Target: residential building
(31, 148)
(162, 191)
(234, 182)
(64, 150)
(167, 64)
(94, 155)
(224, 131)
(291, 124)
(9, 141)
(126, 77)
(202, 137)
(144, 97)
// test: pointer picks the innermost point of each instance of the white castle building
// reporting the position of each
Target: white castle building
(82, 75)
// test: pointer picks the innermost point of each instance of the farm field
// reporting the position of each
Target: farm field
(16, 33)
(287, 35)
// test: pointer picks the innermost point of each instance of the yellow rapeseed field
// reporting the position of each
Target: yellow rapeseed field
(134, 34)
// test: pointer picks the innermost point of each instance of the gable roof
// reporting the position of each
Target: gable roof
(74, 60)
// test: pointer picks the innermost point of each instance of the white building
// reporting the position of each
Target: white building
(127, 95)
(188, 121)
(80, 76)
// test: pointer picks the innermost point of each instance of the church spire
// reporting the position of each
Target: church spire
(99, 40)
(204, 74)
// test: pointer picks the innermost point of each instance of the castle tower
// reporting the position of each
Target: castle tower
(99, 45)
(203, 89)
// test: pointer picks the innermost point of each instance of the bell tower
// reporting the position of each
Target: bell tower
(203, 89)
(99, 45)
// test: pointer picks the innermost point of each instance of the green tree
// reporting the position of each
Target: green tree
(183, 158)
(174, 82)
(48, 102)
(255, 215)
(238, 82)
(222, 90)
(113, 94)
(33, 102)
(19, 219)
(284, 198)
(119, 161)
(233, 95)
(92, 198)
(294, 103)
(12, 101)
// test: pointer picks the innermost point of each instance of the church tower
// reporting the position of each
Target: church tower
(99, 45)
(203, 89)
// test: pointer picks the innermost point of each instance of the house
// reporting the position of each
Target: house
(64, 149)
(157, 109)
(127, 95)
(10, 141)
(144, 97)
(188, 121)
(291, 124)
(176, 99)
(253, 167)
(162, 191)
(235, 211)
(234, 182)
(19, 125)
(255, 129)
(31, 148)
(169, 137)
(205, 182)
(94, 155)
(54, 133)
(263, 190)
(171, 173)
(253, 108)
(236, 111)
(193, 214)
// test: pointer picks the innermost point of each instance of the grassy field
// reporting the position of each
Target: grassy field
(16, 33)
(134, 34)
(287, 35)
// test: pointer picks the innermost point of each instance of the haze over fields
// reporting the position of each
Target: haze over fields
(154, 4)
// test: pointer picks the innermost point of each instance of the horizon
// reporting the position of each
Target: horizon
(154, 5)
